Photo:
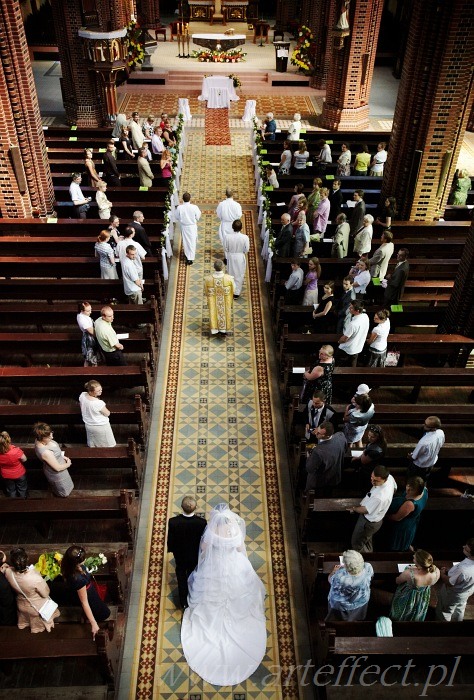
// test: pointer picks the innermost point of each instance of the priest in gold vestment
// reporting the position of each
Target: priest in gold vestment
(219, 291)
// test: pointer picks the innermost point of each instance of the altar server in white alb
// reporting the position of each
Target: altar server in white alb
(188, 215)
(228, 211)
(236, 247)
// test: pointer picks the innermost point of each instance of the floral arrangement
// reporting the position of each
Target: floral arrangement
(171, 185)
(49, 565)
(93, 562)
(207, 56)
(236, 80)
(261, 157)
(136, 47)
(303, 55)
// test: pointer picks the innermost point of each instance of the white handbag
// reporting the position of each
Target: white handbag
(46, 611)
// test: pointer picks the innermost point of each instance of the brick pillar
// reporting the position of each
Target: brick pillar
(460, 312)
(321, 17)
(26, 187)
(149, 13)
(83, 95)
(433, 105)
(351, 67)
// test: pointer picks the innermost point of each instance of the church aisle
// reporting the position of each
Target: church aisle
(216, 441)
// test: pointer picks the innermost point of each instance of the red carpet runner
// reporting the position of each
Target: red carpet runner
(217, 127)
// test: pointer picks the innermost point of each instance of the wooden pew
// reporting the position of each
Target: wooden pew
(79, 228)
(74, 378)
(93, 458)
(68, 640)
(61, 267)
(45, 316)
(123, 508)
(92, 289)
(127, 193)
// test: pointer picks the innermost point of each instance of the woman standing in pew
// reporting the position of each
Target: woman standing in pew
(12, 468)
(411, 599)
(91, 173)
(404, 514)
(89, 345)
(103, 203)
(31, 591)
(349, 595)
(55, 462)
(285, 160)
(319, 377)
(79, 580)
(311, 282)
(377, 339)
(356, 418)
(95, 415)
(105, 253)
(314, 198)
(344, 162)
(321, 315)
(293, 206)
(126, 152)
(301, 156)
(373, 453)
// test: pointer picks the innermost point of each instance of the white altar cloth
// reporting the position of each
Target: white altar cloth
(226, 41)
(218, 91)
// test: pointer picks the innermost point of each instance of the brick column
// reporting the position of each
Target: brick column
(26, 187)
(433, 106)
(83, 95)
(149, 13)
(321, 17)
(351, 66)
(460, 312)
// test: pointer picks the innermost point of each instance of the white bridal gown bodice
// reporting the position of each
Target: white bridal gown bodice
(224, 631)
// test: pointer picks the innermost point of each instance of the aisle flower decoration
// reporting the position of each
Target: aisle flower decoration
(208, 56)
(303, 56)
(49, 565)
(261, 157)
(236, 80)
(136, 47)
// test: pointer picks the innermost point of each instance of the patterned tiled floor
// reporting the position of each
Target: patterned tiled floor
(217, 442)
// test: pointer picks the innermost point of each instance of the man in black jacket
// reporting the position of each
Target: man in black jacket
(140, 233)
(284, 240)
(184, 537)
(111, 173)
(396, 281)
(335, 200)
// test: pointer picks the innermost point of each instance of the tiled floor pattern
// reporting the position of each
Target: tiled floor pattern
(217, 441)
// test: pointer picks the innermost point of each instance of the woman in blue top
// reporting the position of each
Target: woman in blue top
(350, 588)
(79, 580)
(404, 514)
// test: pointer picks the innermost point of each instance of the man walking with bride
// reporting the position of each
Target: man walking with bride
(223, 633)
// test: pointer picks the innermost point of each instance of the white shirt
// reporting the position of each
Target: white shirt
(425, 454)
(84, 322)
(378, 500)
(356, 331)
(381, 330)
(123, 245)
(130, 273)
(157, 145)
(461, 577)
(91, 410)
(294, 131)
(187, 214)
(286, 157)
(379, 160)
(76, 192)
(295, 280)
(325, 154)
(363, 240)
(362, 278)
(229, 210)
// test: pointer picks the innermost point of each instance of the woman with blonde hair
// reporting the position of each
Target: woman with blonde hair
(165, 164)
(411, 599)
(301, 156)
(95, 415)
(311, 282)
(349, 595)
(105, 206)
(103, 251)
(319, 377)
(295, 128)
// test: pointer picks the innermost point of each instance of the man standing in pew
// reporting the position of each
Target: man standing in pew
(396, 281)
(184, 537)
(284, 240)
(131, 273)
(81, 203)
(324, 464)
(372, 509)
(352, 341)
(457, 587)
(140, 233)
(425, 455)
(111, 173)
(107, 338)
(319, 412)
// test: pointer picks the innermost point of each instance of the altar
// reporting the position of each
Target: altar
(224, 41)
(230, 10)
(218, 91)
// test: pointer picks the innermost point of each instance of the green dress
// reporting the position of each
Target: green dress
(410, 602)
(313, 202)
(402, 532)
(461, 189)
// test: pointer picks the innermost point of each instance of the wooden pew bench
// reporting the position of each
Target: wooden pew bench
(122, 209)
(48, 316)
(93, 458)
(155, 194)
(43, 246)
(79, 228)
(122, 508)
(68, 640)
(127, 412)
(74, 378)
(61, 267)
(91, 288)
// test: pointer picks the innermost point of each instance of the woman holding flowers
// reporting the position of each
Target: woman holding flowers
(79, 580)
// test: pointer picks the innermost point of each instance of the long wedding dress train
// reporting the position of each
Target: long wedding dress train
(223, 632)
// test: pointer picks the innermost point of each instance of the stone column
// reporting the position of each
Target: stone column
(433, 106)
(26, 187)
(351, 64)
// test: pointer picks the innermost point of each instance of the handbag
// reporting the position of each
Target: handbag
(393, 357)
(101, 588)
(46, 611)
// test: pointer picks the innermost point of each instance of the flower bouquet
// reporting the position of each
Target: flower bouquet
(49, 565)
(304, 54)
(236, 80)
(208, 56)
(93, 562)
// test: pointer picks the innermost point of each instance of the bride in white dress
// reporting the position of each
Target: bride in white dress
(224, 633)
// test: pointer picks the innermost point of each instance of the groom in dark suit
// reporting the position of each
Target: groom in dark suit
(184, 536)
